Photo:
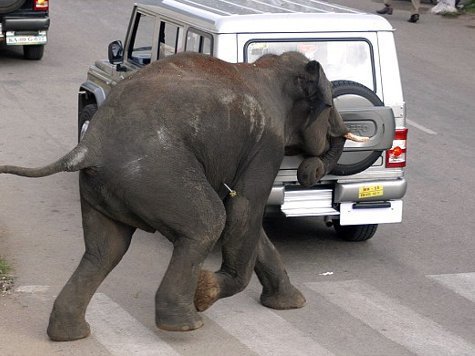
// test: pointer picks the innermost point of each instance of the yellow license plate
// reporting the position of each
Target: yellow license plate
(370, 191)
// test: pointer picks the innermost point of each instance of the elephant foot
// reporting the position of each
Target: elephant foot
(175, 322)
(290, 298)
(207, 291)
(67, 331)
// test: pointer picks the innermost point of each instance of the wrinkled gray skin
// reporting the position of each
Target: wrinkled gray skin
(156, 157)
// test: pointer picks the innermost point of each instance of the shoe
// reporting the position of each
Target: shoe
(386, 10)
(414, 18)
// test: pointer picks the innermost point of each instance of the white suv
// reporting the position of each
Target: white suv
(358, 54)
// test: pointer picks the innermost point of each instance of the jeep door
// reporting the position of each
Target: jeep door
(349, 61)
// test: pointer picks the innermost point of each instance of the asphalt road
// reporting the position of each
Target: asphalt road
(409, 290)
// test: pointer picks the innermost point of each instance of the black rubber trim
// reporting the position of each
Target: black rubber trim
(355, 233)
(86, 114)
(372, 205)
(26, 24)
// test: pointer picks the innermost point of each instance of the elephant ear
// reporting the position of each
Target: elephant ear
(323, 106)
(323, 88)
(320, 128)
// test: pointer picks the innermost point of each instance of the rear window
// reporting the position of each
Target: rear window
(342, 59)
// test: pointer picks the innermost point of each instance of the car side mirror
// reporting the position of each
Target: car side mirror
(116, 52)
(116, 55)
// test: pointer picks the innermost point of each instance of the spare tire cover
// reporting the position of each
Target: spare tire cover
(355, 162)
(10, 5)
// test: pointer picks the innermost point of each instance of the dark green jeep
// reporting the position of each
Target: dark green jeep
(25, 23)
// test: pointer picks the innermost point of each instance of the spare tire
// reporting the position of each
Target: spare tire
(10, 5)
(356, 94)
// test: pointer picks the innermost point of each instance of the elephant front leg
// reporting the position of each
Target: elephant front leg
(277, 292)
(106, 243)
(247, 247)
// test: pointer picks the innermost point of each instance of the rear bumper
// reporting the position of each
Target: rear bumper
(326, 200)
(19, 31)
(25, 24)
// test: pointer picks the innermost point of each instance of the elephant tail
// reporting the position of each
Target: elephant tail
(73, 161)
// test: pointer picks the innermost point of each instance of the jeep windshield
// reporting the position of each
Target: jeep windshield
(342, 59)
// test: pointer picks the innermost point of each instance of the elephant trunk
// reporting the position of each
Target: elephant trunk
(312, 169)
(331, 157)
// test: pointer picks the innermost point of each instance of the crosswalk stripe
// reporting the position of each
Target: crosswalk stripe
(461, 283)
(260, 329)
(32, 289)
(396, 322)
(120, 333)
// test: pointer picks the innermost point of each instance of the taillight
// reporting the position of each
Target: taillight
(40, 5)
(396, 156)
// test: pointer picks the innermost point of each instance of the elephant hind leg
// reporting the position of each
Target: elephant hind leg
(239, 241)
(194, 227)
(277, 292)
(237, 257)
(174, 301)
(106, 243)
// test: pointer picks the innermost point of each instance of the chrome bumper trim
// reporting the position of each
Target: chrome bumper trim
(390, 189)
(317, 202)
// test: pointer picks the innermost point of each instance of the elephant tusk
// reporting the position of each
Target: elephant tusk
(356, 138)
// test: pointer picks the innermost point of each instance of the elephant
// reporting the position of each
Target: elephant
(189, 146)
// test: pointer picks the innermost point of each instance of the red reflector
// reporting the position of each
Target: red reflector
(40, 5)
(396, 151)
(396, 156)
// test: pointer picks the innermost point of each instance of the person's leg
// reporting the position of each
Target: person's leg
(415, 11)
(415, 6)
(387, 9)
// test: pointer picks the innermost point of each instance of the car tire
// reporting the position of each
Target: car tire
(10, 5)
(347, 87)
(354, 233)
(85, 118)
(33, 52)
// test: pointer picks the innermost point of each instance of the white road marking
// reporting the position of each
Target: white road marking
(396, 322)
(120, 333)
(32, 289)
(260, 329)
(420, 127)
(461, 283)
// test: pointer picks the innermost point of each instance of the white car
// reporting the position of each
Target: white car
(358, 54)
